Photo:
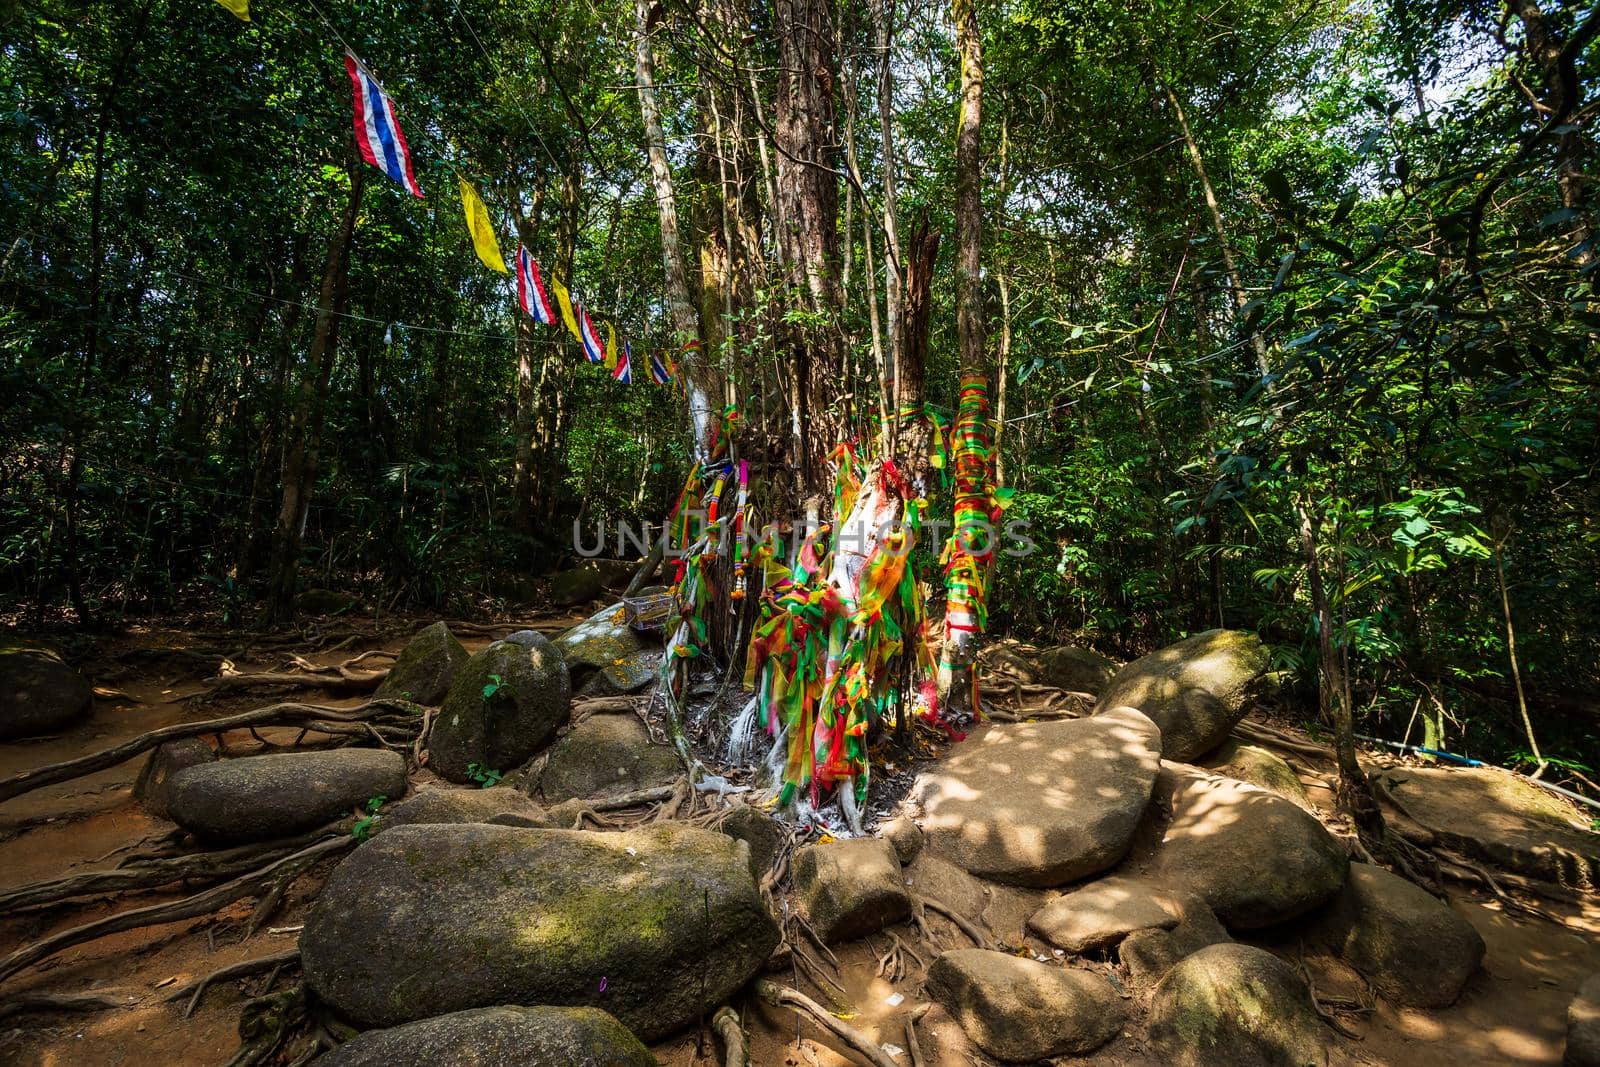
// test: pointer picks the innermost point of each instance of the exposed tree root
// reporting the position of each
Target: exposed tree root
(193, 991)
(725, 1024)
(24, 1003)
(344, 682)
(784, 997)
(961, 921)
(188, 908)
(579, 810)
(267, 1022)
(150, 874)
(912, 1045)
(1263, 735)
(287, 714)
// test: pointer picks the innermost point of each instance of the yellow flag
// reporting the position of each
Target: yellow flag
(478, 225)
(611, 347)
(238, 7)
(564, 301)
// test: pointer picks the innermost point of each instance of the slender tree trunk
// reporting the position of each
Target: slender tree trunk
(1258, 345)
(969, 560)
(300, 457)
(1511, 653)
(1355, 792)
(703, 389)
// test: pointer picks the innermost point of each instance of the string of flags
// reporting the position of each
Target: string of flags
(382, 144)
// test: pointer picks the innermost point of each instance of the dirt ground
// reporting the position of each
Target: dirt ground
(1512, 1013)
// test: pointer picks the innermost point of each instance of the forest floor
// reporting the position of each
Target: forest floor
(1513, 1012)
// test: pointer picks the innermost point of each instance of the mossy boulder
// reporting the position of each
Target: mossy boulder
(849, 889)
(39, 694)
(1150, 953)
(257, 798)
(1020, 1010)
(1259, 767)
(1041, 804)
(1195, 690)
(657, 926)
(1409, 946)
(442, 804)
(1235, 1005)
(1583, 1026)
(764, 834)
(1254, 857)
(607, 657)
(1077, 670)
(502, 1036)
(504, 704)
(605, 755)
(155, 777)
(325, 602)
(426, 667)
(575, 586)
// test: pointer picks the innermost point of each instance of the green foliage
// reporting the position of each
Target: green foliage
(362, 830)
(484, 776)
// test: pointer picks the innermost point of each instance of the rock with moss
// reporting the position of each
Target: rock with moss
(1253, 764)
(575, 586)
(1041, 804)
(1409, 946)
(257, 798)
(1235, 1005)
(443, 804)
(607, 657)
(426, 667)
(155, 777)
(504, 705)
(904, 834)
(605, 755)
(658, 926)
(764, 834)
(849, 889)
(503, 1036)
(1077, 670)
(325, 602)
(1583, 1026)
(1195, 690)
(39, 694)
(1254, 857)
(1020, 1010)
(1150, 953)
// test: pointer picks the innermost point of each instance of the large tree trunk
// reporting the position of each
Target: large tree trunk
(971, 545)
(704, 389)
(300, 456)
(1556, 55)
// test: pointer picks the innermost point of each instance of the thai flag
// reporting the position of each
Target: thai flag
(658, 368)
(377, 130)
(531, 291)
(624, 371)
(592, 346)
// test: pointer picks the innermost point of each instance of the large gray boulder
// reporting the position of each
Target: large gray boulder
(657, 926)
(1077, 670)
(155, 777)
(1099, 915)
(1583, 1026)
(606, 656)
(1041, 804)
(505, 704)
(849, 889)
(257, 798)
(1253, 856)
(39, 694)
(1410, 947)
(1235, 1005)
(426, 667)
(441, 804)
(604, 755)
(1195, 690)
(499, 1037)
(1019, 1010)
(577, 585)
(1259, 767)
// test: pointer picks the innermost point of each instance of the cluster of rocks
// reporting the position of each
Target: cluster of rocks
(1160, 864)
